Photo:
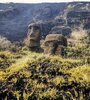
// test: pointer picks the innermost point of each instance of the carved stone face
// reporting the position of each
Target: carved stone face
(34, 35)
(49, 47)
(54, 44)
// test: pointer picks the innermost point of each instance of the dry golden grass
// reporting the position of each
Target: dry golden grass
(40, 76)
(78, 34)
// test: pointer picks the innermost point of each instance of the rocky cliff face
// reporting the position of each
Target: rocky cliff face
(53, 18)
(15, 18)
(77, 14)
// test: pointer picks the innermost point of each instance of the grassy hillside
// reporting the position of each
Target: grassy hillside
(25, 75)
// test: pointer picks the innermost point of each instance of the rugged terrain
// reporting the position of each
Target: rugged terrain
(15, 18)
(56, 17)
(26, 75)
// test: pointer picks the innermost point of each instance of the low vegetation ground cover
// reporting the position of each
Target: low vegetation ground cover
(26, 75)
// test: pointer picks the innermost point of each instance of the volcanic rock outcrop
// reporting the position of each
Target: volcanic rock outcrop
(78, 14)
(52, 17)
(15, 17)
(65, 30)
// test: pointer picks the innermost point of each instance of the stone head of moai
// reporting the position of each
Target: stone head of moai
(33, 37)
(54, 44)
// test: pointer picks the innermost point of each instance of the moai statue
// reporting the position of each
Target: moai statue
(33, 37)
(54, 44)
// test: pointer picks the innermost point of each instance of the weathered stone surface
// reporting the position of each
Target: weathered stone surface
(54, 44)
(65, 30)
(33, 37)
(76, 18)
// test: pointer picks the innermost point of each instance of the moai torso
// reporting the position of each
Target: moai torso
(54, 44)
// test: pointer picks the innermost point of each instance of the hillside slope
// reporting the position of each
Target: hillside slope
(26, 75)
(15, 18)
(52, 17)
